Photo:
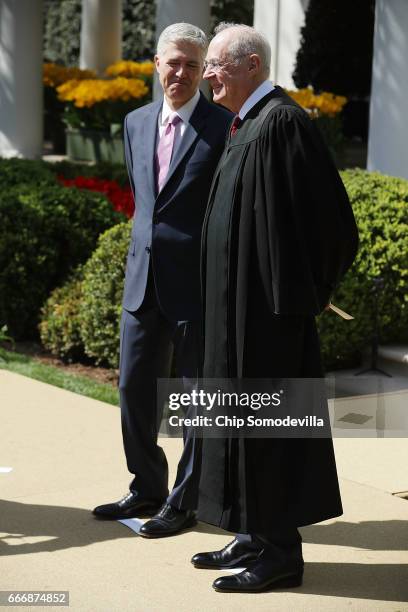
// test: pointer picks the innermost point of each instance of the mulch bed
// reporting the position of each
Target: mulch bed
(37, 352)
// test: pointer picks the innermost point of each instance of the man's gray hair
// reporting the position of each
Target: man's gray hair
(248, 41)
(182, 32)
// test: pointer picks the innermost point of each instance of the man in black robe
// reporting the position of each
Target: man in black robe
(278, 237)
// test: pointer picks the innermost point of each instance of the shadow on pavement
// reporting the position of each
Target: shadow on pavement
(75, 527)
(370, 535)
(376, 581)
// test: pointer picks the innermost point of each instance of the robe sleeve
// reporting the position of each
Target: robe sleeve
(309, 228)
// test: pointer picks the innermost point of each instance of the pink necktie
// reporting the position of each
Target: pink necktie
(165, 149)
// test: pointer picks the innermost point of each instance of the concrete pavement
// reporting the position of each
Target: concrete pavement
(66, 455)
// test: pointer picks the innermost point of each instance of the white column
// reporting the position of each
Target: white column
(388, 134)
(101, 34)
(21, 89)
(280, 21)
(196, 12)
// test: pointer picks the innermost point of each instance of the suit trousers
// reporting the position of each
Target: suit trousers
(147, 343)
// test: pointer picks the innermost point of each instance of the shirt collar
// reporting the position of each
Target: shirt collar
(261, 91)
(184, 112)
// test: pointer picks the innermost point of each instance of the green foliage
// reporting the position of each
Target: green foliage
(4, 337)
(102, 290)
(231, 10)
(331, 130)
(380, 205)
(101, 170)
(15, 172)
(336, 48)
(82, 317)
(47, 230)
(138, 29)
(102, 115)
(59, 326)
(62, 27)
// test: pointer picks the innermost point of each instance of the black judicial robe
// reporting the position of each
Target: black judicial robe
(279, 234)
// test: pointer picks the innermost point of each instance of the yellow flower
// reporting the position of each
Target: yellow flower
(88, 92)
(130, 69)
(324, 103)
(54, 74)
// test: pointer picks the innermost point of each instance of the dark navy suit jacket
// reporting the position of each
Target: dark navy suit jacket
(167, 226)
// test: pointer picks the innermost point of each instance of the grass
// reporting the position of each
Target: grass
(82, 385)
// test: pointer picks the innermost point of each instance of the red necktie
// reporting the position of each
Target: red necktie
(235, 125)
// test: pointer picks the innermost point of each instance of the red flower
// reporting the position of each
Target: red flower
(120, 197)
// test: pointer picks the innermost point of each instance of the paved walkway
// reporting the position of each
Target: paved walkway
(66, 456)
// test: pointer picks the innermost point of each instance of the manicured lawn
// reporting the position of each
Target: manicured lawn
(21, 364)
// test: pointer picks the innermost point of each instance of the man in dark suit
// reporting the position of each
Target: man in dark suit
(279, 235)
(172, 148)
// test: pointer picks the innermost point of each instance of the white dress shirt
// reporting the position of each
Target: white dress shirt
(184, 112)
(261, 91)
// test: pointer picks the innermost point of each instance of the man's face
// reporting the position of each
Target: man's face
(180, 70)
(229, 79)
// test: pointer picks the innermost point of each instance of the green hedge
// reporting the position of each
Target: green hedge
(336, 47)
(46, 231)
(15, 172)
(102, 290)
(380, 205)
(101, 170)
(60, 328)
(82, 317)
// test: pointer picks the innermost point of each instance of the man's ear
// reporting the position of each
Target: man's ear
(254, 63)
(157, 62)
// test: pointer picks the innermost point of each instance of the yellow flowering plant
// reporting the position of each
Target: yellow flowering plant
(56, 74)
(96, 104)
(324, 108)
(129, 69)
(53, 76)
(318, 105)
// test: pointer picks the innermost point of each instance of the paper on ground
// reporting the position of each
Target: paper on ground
(133, 523)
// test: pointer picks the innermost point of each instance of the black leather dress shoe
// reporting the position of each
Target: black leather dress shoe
(168, 521)
(261, 576)
(234, 554)
(130, 506)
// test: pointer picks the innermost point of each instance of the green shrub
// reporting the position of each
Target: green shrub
(380, 205)
(16, 172)
(336, 47)
(102, 290)
(101, 170)
(60, 326)
(46, 232)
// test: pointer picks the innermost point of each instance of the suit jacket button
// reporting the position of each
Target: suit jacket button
(147, 249)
